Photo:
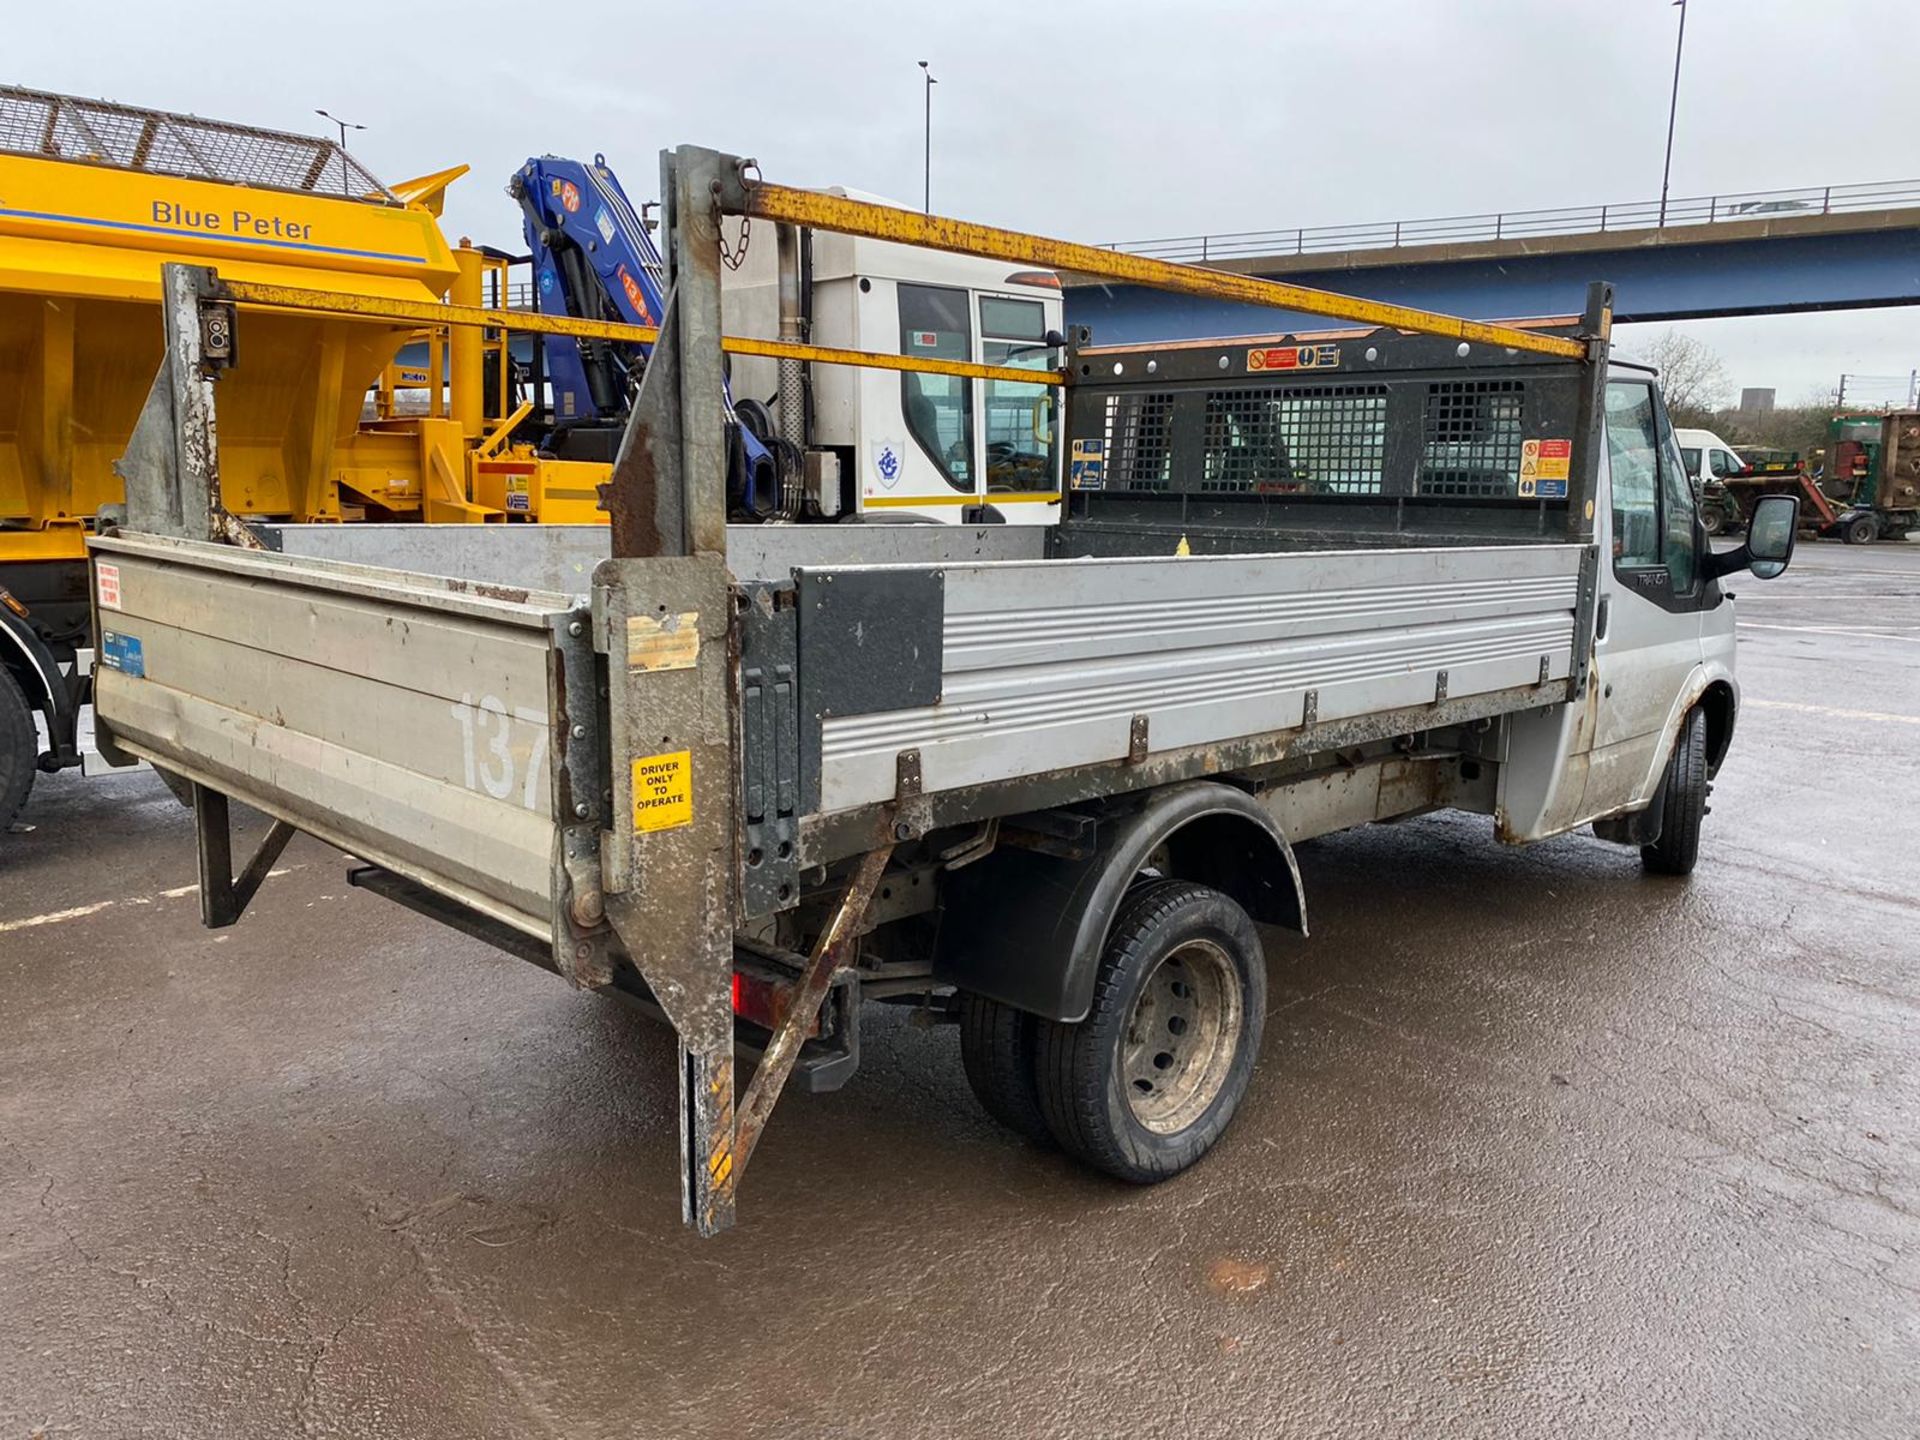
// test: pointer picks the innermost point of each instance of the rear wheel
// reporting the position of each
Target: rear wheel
(997, 1049)
(19, 749)
(1149, 1080)
(1684, 804)
(1861, 530)
(1713, 520)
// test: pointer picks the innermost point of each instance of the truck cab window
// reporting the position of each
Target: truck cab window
(1020, 419)
(1724, 464)
(935, 324)
(1633, 457)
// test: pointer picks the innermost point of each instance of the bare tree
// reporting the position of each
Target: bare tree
(1691, 373)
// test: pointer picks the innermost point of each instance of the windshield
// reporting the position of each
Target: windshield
(1691, 455)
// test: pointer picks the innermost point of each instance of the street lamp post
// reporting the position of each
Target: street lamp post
(346, 179)
(1673, 109)
(927, 200)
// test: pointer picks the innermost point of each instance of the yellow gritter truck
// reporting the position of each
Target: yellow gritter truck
(94, 199)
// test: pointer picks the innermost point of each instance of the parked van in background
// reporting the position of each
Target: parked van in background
(1708, 457)
(1709, 461)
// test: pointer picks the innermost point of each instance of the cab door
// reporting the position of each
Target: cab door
(1652, 596)
(939, 447)
(1019, 460)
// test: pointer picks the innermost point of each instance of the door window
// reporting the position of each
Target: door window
(1724, 464)
(1019, 417)
(1677, 545)
(934, 324)
(1633, 458)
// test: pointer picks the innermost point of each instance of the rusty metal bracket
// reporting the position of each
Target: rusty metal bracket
(582, 788)
(910, 810)
(829, 952)
(1137, 739)
(906, 774)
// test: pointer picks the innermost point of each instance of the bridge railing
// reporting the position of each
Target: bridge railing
(1523, 224)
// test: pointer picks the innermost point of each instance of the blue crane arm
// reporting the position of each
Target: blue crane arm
(593, 257)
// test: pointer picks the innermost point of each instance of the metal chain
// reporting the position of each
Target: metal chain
(734, 259)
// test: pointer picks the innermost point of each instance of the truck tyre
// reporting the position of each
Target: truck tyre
(997, 1050)
(1861, 530)
(19, 749)
(1145, 1084)
(1684, 805)
(1713, 520)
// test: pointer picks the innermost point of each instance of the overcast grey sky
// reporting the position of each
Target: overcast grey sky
(1108, 121)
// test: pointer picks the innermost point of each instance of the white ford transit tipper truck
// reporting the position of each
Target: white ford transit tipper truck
(1041, 780)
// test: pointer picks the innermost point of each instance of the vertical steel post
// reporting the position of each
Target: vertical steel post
(171, 468)
(693, 273)
(662, 616)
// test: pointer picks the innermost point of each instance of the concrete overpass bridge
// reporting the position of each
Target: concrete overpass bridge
(1836, 247)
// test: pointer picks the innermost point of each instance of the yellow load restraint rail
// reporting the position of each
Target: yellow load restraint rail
(910, 227)
(367, 307)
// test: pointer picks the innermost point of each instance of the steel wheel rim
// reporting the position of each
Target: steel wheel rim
(1181, 1037)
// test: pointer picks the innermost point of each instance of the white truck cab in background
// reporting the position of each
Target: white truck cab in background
(905, 445)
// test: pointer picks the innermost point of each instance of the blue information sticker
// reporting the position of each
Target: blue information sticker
(122, 653)
(1552, 490)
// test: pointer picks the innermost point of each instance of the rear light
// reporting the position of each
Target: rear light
(764, 1000)
(1045, 279)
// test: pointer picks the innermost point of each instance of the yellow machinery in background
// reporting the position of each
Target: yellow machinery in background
(94, 199)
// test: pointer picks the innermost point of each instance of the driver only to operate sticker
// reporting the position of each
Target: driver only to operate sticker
(663, 791)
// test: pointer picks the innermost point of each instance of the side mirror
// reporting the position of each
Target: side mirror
(1771, 535)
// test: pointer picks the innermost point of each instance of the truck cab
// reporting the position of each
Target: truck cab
(1663, 641)
(905, 445)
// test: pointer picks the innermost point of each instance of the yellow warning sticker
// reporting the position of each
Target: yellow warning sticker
(668, 642)
(663, 791)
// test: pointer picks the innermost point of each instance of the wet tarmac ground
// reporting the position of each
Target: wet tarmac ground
(1538, 1147)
